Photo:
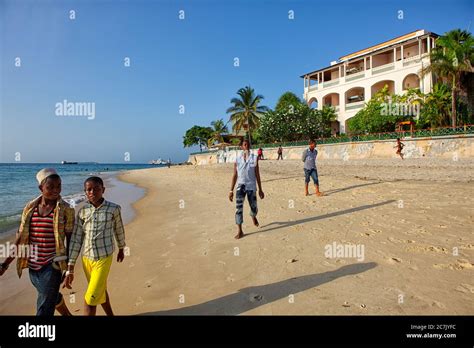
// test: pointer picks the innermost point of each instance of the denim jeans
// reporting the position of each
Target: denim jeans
(240, 197)
(47, 281)
(311, 173)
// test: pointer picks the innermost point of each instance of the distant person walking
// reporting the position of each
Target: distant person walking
(280, 153)
(399, 148)
(247, 176)
(260, 154)
(309, 159)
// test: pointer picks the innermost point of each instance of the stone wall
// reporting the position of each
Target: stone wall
(460, 146)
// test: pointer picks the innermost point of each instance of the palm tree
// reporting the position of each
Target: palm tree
(436, 105)
(452, 58)
(219, 128)
(246, 111)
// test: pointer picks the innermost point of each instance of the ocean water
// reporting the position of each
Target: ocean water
(18, 184)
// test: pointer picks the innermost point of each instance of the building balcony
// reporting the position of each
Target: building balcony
(330, 83)
(383, 68)
(354, 105)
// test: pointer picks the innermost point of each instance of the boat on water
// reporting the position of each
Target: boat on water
(158, 161)
(67, 162)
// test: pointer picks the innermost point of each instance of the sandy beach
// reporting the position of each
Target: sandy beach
(412, 218)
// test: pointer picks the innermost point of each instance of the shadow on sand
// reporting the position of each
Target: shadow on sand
(283, 224)
(331, 192)
(255, 296)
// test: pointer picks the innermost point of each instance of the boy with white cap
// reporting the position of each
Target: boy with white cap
(46, 225)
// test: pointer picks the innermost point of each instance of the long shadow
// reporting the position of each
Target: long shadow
(285, 178)
(255, 296)
(283, 224)
(331, 192)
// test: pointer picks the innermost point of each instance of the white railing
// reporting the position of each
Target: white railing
(354, 76)
(387, 66)
(354, 105)
(330, 83)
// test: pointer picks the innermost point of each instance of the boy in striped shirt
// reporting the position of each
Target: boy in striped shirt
(98, 223)
(46, 226)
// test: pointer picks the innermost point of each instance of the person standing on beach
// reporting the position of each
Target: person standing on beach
(309, 159)
(45, 230)
(280, 153)
(98, 223)
(399, 148)
(247, 176)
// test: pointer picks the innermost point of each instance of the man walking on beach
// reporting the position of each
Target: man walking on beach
(309, 159)
(280, 153)
(98, 223)
(247, 177)
(45, 230)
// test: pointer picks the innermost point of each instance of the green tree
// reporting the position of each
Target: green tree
(377, 114)
(219, 128)
(197, 135)
(288, 101)
(246, 111)
(299, 123)
(436, 107)
(451, 59)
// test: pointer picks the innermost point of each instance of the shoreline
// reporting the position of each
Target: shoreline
(111, 180)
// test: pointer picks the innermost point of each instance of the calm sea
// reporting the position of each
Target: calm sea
(18, 184)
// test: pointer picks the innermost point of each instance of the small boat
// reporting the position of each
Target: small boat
(66, 162)
(158, 161)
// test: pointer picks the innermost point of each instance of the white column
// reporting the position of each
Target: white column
(394, 54)
(401, 53)
(419, 47)
(428, 44)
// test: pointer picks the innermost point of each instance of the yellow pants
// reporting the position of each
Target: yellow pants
(96, 274)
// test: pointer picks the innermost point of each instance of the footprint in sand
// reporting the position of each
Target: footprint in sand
(139, 301)
(427, 248)
(467, 246)
(168, 264)
(148, 283)
(255, 298)
(131, 265)
(230, 278)
(394, 260)
(459, 265)
(466, 288)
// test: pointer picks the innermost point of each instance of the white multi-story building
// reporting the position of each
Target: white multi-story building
(352, 80)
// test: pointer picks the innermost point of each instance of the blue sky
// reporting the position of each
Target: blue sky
(173, 62)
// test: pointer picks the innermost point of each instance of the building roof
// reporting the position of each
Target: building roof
(378, 47)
